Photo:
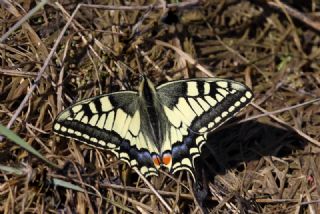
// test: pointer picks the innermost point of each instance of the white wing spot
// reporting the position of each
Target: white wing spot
(178, 113)
(243, 99)
(70, 131)
(64, 115)
(199, 140)
(133, 162)
(85, 119)
(85, 136)
(105, 104)
(119, 121)
(186, 161)
(63, 129)
(109, 121)
(173, 135)
(153, 171)
(57, 126)
(231, 109)
(93, 139)
(224, 114)
(237, 86)
(170, 137)
(217, 119)
(237, 104)
(203, 104)
(94, 119)
(223, 92)
(210, 100)
(176, 165)
(172, 117)
(186, 110)
(144, 170)
(248, 94)
(101, 121)
(206, 88)
(222, 84)
(111, 145)
(102, 143)
(93, 108)
(135, 124)
(125, 126)
(219, 97)
(79, 115)
(192, 89)
(210, 125)
(78, 133)
(194, 150)
(76, 108)
(195, 106)
(184, 130)
(203, 129)
(124, 155)
(179, 135)
(141, 143)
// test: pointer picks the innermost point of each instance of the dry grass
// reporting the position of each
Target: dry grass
(269, 164)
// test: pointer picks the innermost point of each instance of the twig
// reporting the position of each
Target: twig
(186, 56)
(22, 20)
(296, 14)
(299, 132)
(154, 190)
(43, 68)
(147, 191)
(230, 49)
(17, 73)
(120, 7)
(280, 110)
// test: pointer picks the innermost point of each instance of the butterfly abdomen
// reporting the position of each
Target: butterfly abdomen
(153, 112)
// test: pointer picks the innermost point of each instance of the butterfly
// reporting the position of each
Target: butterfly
(164, 126)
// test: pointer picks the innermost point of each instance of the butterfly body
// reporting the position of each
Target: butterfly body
(149, 103)
(164, 126)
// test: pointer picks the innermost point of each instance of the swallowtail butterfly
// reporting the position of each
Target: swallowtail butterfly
(156, 126)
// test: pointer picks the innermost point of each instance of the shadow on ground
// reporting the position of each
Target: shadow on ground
(246, 142)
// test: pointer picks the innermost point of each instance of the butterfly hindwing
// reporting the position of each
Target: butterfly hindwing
(195, 107)
(111, 122)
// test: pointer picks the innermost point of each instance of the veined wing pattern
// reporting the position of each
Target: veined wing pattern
(163, 126)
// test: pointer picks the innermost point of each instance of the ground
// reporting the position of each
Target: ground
(266, 160)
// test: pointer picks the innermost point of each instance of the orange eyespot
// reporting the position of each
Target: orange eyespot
(156, 160)
(166, 159)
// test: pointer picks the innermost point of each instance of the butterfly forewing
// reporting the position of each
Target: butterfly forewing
(195, 107)
(111, 122)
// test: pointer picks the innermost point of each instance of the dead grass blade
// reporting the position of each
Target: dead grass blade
(20, 142)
